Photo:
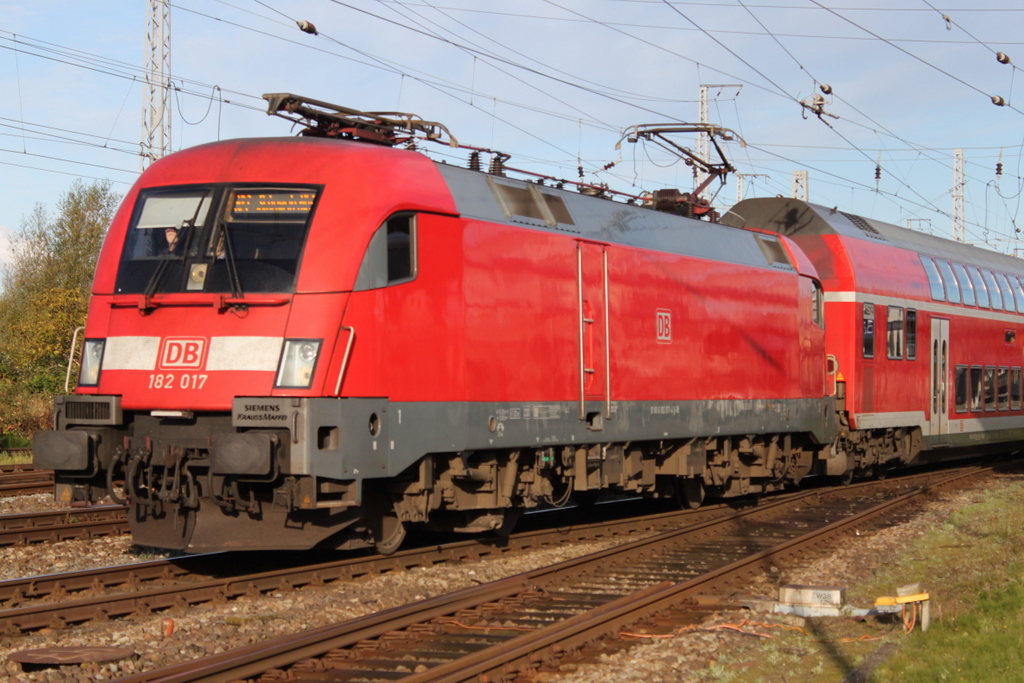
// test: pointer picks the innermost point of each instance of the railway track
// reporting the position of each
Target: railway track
(63, 525)
(497, 630)
(24, 479)
(59, 600)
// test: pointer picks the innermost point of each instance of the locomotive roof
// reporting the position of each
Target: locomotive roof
(483, 196)
(792, 217)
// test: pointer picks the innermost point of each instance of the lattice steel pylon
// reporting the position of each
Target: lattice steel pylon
(958, 195)
(156, 93)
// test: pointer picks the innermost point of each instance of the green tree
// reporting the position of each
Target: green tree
(45, 297)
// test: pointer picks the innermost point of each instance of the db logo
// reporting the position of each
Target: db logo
(183, 352)
(664, 320)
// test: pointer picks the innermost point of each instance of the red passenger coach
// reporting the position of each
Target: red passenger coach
(923, 330)
(315, 340)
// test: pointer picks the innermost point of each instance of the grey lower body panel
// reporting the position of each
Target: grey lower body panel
(406, 431)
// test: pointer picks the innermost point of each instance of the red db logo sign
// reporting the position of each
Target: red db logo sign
(664, 321)
(183, 352)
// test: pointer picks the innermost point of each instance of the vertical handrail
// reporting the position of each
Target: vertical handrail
(607, 344)
(579, 291)
(71, 359)
(344, 360)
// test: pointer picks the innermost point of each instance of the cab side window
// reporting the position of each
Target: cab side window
(390, 257)
(401, 252)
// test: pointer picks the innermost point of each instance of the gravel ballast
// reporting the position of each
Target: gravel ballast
(213, 628)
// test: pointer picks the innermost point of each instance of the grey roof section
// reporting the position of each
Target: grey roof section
(792, 217)
(614, 222)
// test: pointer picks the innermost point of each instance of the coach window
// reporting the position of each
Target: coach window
(952, 287)
(965, 284)
(869, 331)
(1008, 300)
(962, 395)
(979, 286)
(934, 278)
(894, 332)
(976, 386)
(1003, 387)
(1018, 292)
(993, 290)
(1015, 377)
(911, 334)
(990, 388)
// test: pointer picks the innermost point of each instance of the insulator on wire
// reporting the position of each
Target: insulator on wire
(474, 161)
(579, 170)
(825, 88)
(307, 27)
(998, 101)
(878, 172)
(1002, 58)
(999, 168)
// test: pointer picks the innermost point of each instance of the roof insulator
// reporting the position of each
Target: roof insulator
(497, 165)
(474, 161)
(307, 27)
(1002, 58)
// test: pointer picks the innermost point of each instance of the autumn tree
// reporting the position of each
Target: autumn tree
(45, 297)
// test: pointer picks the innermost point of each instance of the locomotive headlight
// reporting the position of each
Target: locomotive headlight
(298, 362)
(92, 359)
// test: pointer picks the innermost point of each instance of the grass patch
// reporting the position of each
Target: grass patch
(974, 567)
(18, 458)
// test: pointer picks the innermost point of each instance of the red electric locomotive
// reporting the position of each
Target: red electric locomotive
(923, 330)
(317, 340)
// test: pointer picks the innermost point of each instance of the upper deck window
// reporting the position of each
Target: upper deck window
(934, 278)
(1018, 292)
(1008, 300)
(979, 286)
(952, 287)
(965, 284)
(216, 239)
(993, 290)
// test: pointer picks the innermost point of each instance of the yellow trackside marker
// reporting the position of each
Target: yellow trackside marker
(65, 494)
(306, 502)
(901, 600)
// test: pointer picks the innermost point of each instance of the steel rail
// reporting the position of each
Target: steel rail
(63, 525)
(498, 661)
(17, 618)
(22, 481)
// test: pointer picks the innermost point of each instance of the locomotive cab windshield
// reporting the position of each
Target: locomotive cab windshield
(216, 239)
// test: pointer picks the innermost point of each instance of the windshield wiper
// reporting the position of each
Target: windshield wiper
(229, 257)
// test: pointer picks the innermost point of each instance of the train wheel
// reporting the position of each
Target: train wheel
(382, 521)
(689, 492)
(512, 516)
(388, 533)
(844, 479)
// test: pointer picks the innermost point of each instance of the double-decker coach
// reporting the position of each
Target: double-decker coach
(924, 334)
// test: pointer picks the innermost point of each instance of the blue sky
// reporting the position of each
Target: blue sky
(553, 83)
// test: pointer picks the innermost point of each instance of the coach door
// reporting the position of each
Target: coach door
(940, 377)
(594, 370)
